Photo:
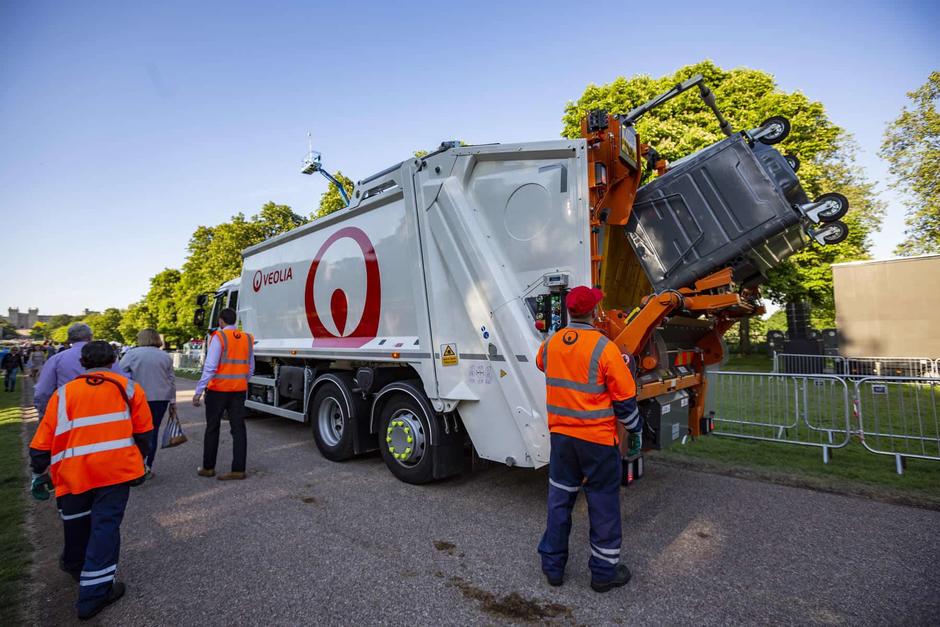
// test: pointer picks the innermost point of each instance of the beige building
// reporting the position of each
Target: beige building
(888, 307)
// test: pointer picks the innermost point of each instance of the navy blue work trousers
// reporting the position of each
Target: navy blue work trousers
(577, 465)
(92, 524)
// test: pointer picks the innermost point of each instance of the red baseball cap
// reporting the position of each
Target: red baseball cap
(582, 300)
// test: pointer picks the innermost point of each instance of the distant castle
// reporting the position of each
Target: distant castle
(29, 319)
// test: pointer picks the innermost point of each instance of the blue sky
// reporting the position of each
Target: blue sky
(123, 126)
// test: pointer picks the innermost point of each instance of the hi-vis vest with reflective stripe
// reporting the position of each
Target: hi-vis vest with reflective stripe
(578, 401)
(89, 431)
(232, 374)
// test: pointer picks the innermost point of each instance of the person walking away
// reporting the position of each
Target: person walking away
(12, 363)
(152, 368)
(64, 366)
(230, 362)
(589, 389)
(36, 360)
(90, 445)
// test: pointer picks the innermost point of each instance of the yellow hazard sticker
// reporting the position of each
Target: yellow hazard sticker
(502, 373)
(449, 355)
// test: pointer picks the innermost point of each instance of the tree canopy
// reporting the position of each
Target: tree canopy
(912, 148)
(748, 97)
(331, 200)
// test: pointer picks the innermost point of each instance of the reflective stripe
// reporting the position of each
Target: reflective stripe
(601, 556)
(95, 582)
(590, 388)
(631, 420)
(561, 486)
(73, 516)
(98, 447)
(63, 415)
(602, 343)
(545, 357)
(68, 425)
(233, 361)
(98, 573)
(613, 552)
(593, 414)
(230, 376)
(130, 389)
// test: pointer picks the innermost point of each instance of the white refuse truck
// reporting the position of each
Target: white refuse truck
(409, 321)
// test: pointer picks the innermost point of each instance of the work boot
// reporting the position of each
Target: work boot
(205, 472)
(231, 476)
(117, 591)
(74, 574)
(621, 577)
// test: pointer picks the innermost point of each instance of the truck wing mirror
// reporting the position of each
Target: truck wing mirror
(199, 318)
(201, 300)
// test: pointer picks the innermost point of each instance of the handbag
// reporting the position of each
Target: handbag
(173, 432)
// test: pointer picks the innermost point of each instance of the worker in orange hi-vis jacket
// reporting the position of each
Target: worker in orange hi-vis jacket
(90, 445)
(589, 388)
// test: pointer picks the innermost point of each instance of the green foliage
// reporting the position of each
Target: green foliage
(59, 334)
(105, 325)
(40, 331)
(912, 148)
(61, 320)
(135, 318)
(7, 330)
(331, 200)
(747, 98)
(421, 154)
(214, 258)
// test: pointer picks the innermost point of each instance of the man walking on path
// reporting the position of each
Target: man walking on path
(90, 446)
(230, 362)
(588, 390)
(64, 366)
(12, 363)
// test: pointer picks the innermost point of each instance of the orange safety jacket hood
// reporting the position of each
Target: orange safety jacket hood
(232, 374)
(89, 428)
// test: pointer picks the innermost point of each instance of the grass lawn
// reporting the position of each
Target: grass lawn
(803, 409)
(188, 373)
(14, 547)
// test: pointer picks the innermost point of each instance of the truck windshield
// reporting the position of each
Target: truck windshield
(216, 310)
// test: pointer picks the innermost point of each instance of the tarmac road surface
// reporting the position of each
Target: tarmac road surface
(304, 540)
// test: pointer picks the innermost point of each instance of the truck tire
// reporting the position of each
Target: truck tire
(333, 428)
(404, 439)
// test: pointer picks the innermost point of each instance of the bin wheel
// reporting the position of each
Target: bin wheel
(779, 128)
(793, 161)
(837, 206)
(835, 232)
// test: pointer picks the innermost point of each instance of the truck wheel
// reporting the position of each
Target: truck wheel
(404, 439)
(333, 430)
(837, 206)
(779, 128)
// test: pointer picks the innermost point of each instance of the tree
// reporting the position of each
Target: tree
(214, 257)
(7, 330)
(747, 98)
(60, 334)
(331, 200)
(39, 331)
(61, 320)
(105, 325)
(912, 148)
(135, 318)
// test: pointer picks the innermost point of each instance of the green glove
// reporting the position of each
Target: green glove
(40, 487)
(634, 444)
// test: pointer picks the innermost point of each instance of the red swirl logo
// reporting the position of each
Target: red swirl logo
(256, 282)
(368, 325)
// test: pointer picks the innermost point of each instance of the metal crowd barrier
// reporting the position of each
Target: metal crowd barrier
(894, 416)
(795, 409)
(192, 359)
(857, 367)
(899, 416)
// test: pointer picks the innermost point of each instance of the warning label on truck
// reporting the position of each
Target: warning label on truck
(449, 355)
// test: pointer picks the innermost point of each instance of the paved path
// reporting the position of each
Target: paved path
(306, 541)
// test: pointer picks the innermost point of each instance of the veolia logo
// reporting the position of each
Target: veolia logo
(270, 278)
(367, 326)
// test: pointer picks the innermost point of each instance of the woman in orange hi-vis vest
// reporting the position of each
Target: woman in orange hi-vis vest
(230, 362)
(589, 389)
(91, 445)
